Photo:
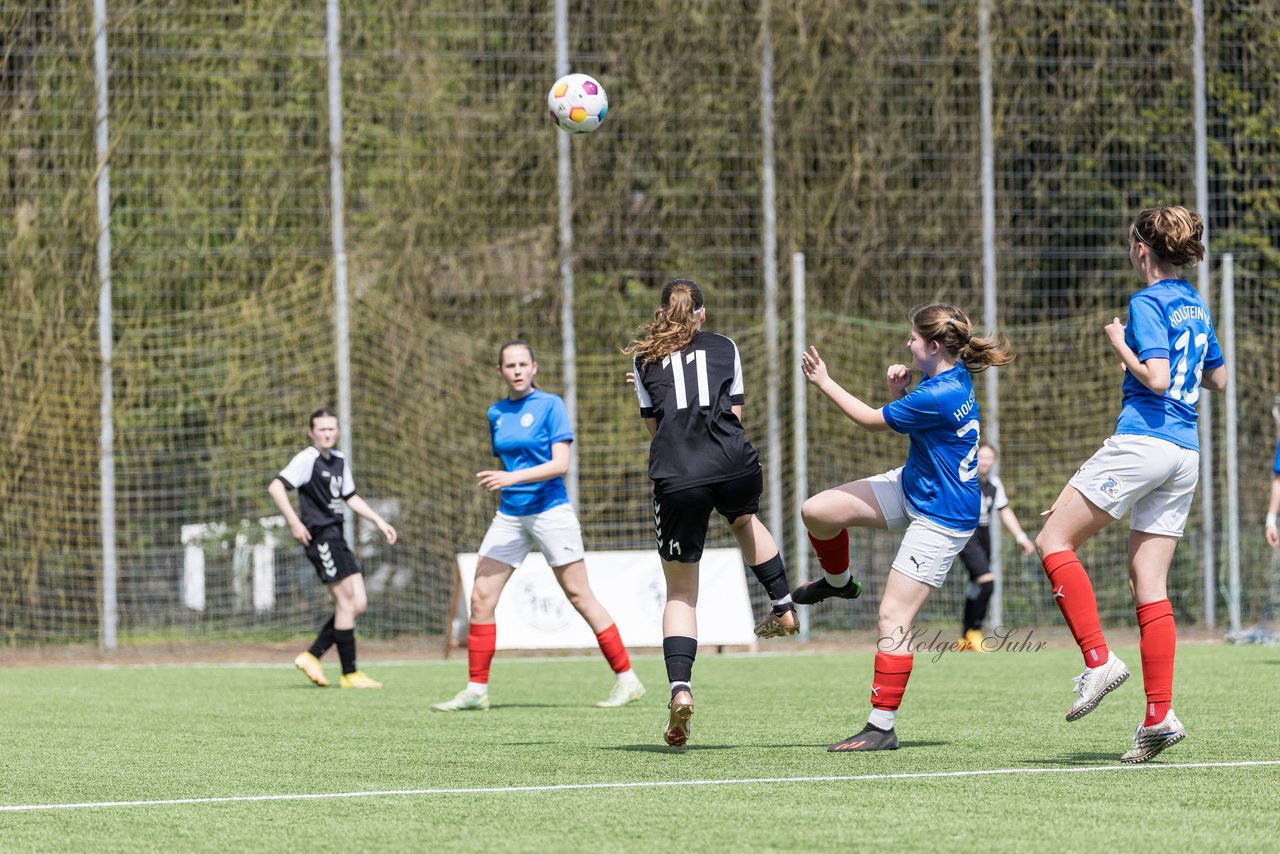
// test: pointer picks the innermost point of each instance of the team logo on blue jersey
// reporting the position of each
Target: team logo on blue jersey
(526, 420)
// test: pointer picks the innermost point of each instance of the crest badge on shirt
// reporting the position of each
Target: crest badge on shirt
(526, 420)
(1110, 487)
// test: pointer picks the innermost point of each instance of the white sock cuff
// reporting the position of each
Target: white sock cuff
(882, 718)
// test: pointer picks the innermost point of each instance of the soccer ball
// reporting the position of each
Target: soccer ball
(577, 103)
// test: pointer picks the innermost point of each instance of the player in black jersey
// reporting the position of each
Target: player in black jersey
(689, 384)
(323, 479)
(976, 554)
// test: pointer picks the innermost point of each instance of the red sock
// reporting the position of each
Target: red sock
(1159, 639)
(482, 639)
(614, 652)
(833, 554)
(890, 681)
(1073, 592)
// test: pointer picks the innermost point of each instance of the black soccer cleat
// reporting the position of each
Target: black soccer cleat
(815, 591)
(871, 738)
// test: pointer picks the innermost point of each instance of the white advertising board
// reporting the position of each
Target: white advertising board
(533, 612)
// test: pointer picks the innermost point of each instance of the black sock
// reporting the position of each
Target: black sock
(975, 604)
(324, 639)
(679, 653)
(773, 575)
(346, 641)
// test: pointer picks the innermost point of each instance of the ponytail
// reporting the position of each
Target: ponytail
(673, 325)
(953, 330)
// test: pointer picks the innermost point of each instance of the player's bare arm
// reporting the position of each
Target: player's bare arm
(1216, 379)
(496, 479)
(1153, 373)
(898, 379)
(362, 508)
(280, 495)
(815, 371)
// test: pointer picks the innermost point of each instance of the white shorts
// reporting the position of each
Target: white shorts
(555, 532)
(1154, 478)
(928, 549)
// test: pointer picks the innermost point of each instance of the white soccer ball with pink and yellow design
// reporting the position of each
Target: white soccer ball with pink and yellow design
(578, 103)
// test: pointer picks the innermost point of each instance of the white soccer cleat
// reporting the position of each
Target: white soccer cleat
(1150, 740)
(624, 691)
(1096, 683)
(464, 701)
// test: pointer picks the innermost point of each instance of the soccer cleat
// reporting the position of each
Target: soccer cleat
(816, 591)
(1150, 740)
(973, 641)
(464, 701)
(357, 679)
(624, 691)
(310, 665)
(778, 625)
(871, 738)
(1096, 683)
(677, 731)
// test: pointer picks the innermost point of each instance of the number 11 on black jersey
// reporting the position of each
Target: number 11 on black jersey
(699, 360)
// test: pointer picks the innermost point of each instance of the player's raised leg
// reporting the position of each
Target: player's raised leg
(760, 552)
(1072, 521)
(827, 517)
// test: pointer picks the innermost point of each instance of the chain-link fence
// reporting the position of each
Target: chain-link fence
(222, 264)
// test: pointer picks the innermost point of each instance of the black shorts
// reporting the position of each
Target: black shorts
(330, 555)
(976, 554)
(680, 518)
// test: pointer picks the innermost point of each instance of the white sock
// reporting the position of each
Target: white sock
(681, 686)
(627, 675)
(882, 718)
(785, 600)
(481, 688)
(841, 579)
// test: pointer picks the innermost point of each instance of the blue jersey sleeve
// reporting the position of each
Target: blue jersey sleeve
(558, 427)
(1275, 467)
(494, 417)
(917, 411)
(1147, 333)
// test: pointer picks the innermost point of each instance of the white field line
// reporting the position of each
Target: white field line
(654, 784)
(459, 660)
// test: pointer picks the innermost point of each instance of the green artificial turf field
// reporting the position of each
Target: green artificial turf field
(106, 759)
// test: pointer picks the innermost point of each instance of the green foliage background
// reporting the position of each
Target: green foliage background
(222, 260)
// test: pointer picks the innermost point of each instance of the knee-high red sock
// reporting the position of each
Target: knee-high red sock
(833, 554)
(1073, 592)
(614, 652)
(890, 681)
(1159, 640)
(482, 639)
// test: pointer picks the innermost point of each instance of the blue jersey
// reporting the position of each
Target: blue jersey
(1168, 320)
(1275, 466)
(522, 433)
(940, 479)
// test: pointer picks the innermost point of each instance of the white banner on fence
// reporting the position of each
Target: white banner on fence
(533, 612)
